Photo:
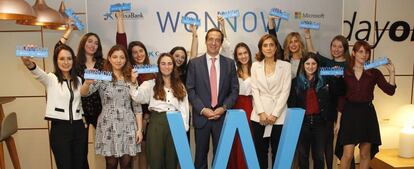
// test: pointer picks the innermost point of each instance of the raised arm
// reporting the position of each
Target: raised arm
(271, 24)
(222, 25)
(391, 70)
(226, 49)
(390, 86)
(121, 38)
(28, 63)
(194, 42)
(120, 22)
(308, 39)
(38, 73)
(272, 31)
(65, 35)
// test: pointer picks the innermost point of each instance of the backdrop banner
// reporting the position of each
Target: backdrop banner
(158, 23)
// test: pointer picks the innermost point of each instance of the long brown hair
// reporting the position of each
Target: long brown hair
(238, 63)
(355, 49)
(131, 57)
(286, 53)
(344, 43)
(126, 69)
(176, 84)
(260, 56)
(81, 57)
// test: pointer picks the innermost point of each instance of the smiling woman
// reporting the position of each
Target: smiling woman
(67, 135)
(270, 81)
(317, 95)
(119, 130)
(165, 93)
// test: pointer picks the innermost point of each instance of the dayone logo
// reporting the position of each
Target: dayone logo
(305, 15)
(127, 15)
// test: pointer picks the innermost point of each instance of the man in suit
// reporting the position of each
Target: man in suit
(212, 87)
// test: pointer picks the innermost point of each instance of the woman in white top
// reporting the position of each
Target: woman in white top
(243, 58)
(164, 93)
(270, 80)
(67, 134)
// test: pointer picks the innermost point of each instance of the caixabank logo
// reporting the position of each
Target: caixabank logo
(304, 15)
(129, 15)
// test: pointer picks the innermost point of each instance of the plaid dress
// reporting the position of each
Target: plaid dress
(115, 133)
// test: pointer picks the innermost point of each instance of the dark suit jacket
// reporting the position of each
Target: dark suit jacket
(198, 87)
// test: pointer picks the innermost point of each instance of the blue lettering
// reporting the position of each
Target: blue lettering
(168, 18)
(207, 16)
(254, 21)
(233, 26)
(264, 21)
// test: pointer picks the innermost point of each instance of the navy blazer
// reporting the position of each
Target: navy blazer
(198, 87)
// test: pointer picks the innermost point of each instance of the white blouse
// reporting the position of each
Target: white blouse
(245, 87)
(144, 94)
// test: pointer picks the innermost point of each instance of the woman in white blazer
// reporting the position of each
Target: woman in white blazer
(68, 136)
(270, 80)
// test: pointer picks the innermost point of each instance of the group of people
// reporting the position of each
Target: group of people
(129, 112)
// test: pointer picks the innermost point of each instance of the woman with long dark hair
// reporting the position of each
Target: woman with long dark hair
(315, 94)
(68, 136)
(89, 56)
(339, 51)
(180, 54)
(243, 58)
(165, 93)
(119, 129)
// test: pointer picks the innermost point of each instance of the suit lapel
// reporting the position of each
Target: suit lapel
(223, 73)
(204, 71)
(262, 75)
(278, 69)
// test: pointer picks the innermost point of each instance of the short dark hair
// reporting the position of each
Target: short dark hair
(215, 30)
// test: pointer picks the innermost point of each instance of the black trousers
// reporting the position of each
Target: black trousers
(90, 119)
(329, 153)
(68, 143)
(312, 136)
(262, 144)
(202, 139)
